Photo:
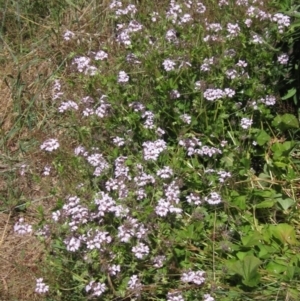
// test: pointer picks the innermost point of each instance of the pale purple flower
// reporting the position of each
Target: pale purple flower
(149, 122)
(134, 26)
(141, 194)
(46, 171)
(50, 145)
(201, 8)
(56, 90)
(208, 297)
(256, 39)
(248, 22)
(169, 65)
(246, 123)
(215, 27)
(104, 108)
(23, 169)
(134, 284)
(96, 239)
(185, 19)
(96, 288)
(159, 261)
(282, 21)
(80, 150)
(206, 64)
(269, 100)
(160, 132)
(56, 215)
(82, 63)
(124, 38)
(72, 244)
(229, 92)
(213, 199)
(123, 77)
(213, 94)
(242, 64)
(67, 105)
(88, 112)
(186, 118)
(233, 30)
(171, 36)
(174, 296)
(22, 228)
(193, 277)
(154, 16)
(194, 199)
(140, 250)
(90, 70)
(223, 175)
(223, 3)
(119, 141)
(101, 55)
(283, 59)
(68, 35)
(41, 287)
(231, 73)
(152, 149)
(114, 269)
(165, 173)
(174, 94)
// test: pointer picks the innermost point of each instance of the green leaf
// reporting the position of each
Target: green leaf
(240, 202)
(286, 203)
(286, 121)
(275, 268)
(289, 94)
(262, 137)
(247, 268)
(251, 240)
(290, 121)
(284, 233)
(265, 251)
(265, 204)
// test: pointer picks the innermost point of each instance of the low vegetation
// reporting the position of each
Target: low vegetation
(152, 148)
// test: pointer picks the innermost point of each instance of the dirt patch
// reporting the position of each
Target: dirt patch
(20, 260)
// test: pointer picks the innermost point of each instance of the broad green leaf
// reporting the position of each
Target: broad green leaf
(289, 94)
(265, 251)
(286, 121)
(280, 164)
(290, 272)
(286, 203)
(262, 138)
(242, 255)
(275, 268)
(289, 121)
(251, 240)
(228, 160)
(240, 202)
(265, 204)
(250, 265)
(247, 268)
(284, 233)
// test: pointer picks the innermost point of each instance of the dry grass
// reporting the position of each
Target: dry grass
(20, 260)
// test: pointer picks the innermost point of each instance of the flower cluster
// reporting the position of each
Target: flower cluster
(246, 123)
(95, 288)
(215, 94)
(22, 228)
(41, 287)
(152, 150)
(50, 145)
(197, 277)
